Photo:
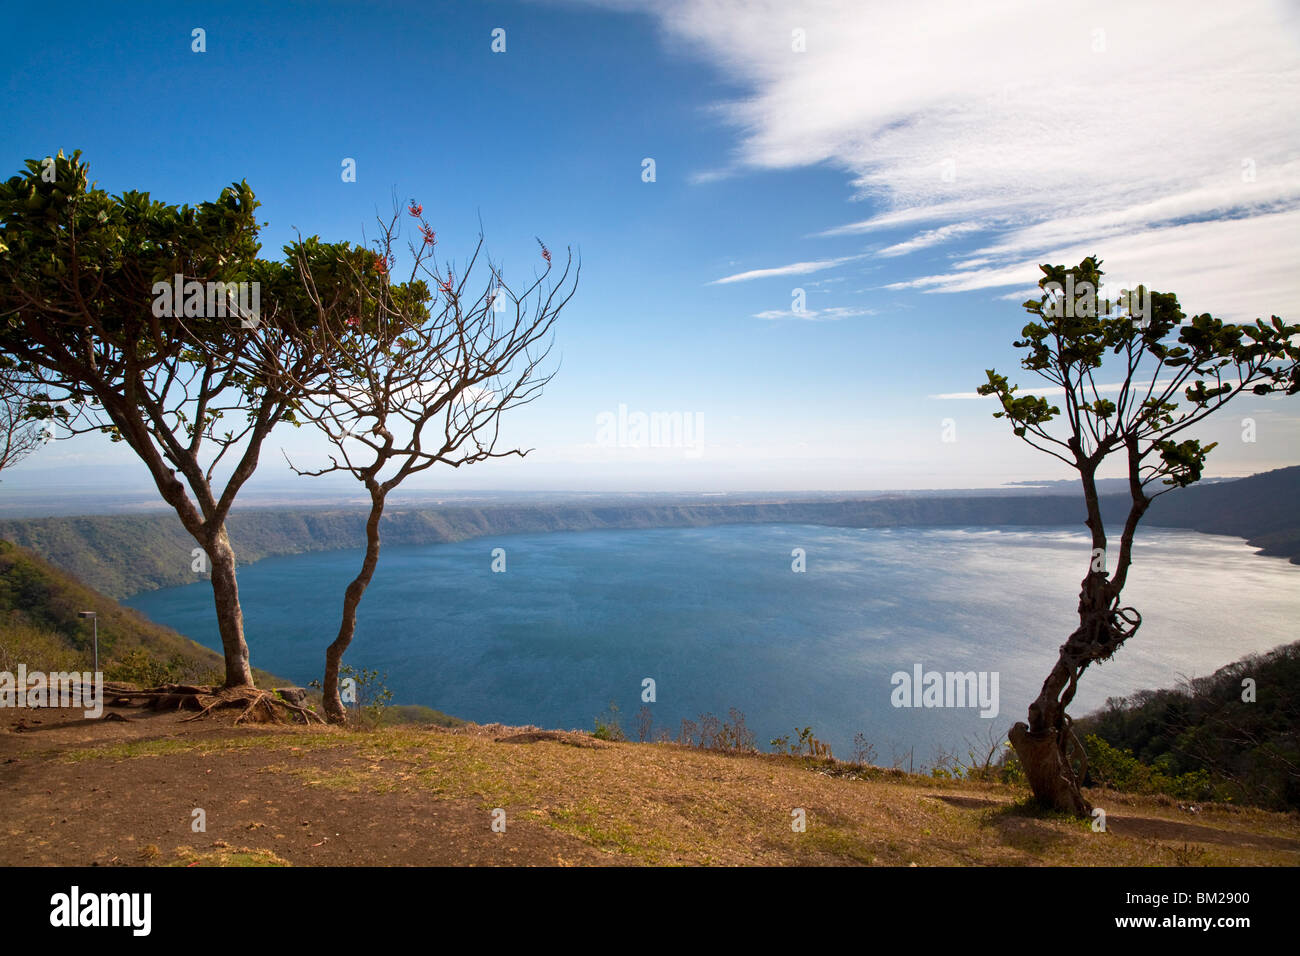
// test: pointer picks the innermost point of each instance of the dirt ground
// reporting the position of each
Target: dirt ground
(125, 792)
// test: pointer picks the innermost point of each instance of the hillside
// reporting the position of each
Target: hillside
(121, 555)
(1245, 750)
(40, 626)
(1264, 509)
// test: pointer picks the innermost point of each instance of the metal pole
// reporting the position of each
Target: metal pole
(96, 620)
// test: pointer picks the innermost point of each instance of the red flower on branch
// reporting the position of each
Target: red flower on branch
(354, 321)
(381, 264)
(415, 208)
(429, 235)
(546, 253)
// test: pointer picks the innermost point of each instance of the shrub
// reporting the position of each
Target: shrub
(39, 649)
(863, 751)
(607, 725)
(372, 695)
(138, 666)
(1120, 770)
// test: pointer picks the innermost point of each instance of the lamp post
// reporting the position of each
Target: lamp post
(94, 617)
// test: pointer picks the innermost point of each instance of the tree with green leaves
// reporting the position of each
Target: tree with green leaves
(121, 313)
(1174, 372)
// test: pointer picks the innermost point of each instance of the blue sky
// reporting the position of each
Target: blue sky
(905, 169)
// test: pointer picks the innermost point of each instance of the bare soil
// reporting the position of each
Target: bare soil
(124, 792)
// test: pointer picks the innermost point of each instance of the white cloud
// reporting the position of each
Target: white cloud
(829, 314)
(1045, 390)
(793, 269)
(931, 237)
(710, 176)
(1239, 269)
(1100, 126)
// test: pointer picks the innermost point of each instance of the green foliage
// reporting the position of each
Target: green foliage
(52, 290)
(138, 666)
(1120, 770)
(607, 725)
(38, 649)
(1203, 732)
(1073, 332)
(1009, 769)
(37, 597)
(803, 743)
(373, 696)
(418, 715)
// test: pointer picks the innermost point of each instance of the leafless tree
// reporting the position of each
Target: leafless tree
(19, 434)
(416, 376)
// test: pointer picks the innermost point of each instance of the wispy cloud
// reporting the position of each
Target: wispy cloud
(1046, 391)
(1119, 124)
(812, 315)
(710, 176)
(931, 237)
(1237, 274)
(793, 269)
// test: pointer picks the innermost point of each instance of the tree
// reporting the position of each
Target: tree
(416, 378)
(20, 435)
(1161, 355)
(145, 321)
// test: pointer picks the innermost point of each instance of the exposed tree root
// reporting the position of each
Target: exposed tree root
(257, 706)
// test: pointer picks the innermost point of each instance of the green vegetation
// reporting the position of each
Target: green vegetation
(417, 715)
(607, 725)
(1120, 770)
(1214, 737)
(40, 626)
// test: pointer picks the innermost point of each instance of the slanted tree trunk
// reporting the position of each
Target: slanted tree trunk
(1044, 744)
(333, 702)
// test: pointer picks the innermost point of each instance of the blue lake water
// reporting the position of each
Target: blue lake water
(718, 619)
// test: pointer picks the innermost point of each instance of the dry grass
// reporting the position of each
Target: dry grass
(666, 804)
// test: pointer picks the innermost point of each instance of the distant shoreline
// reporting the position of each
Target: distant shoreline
(121, 555)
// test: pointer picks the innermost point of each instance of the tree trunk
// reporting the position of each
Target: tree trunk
(1050, 775)
(230, 618)
(335, 712)
(1043, 744)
